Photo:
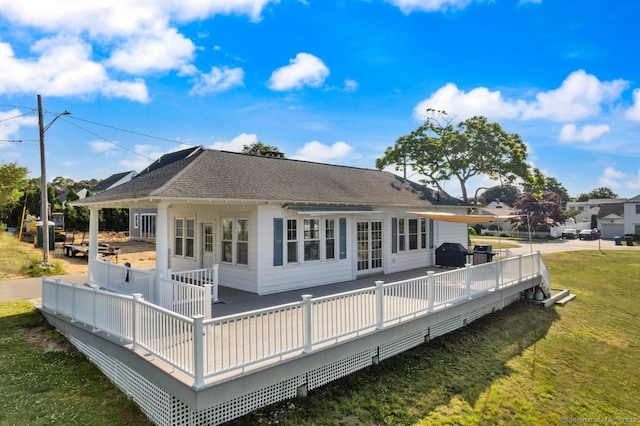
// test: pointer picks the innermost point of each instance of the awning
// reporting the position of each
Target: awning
(330, 210)
(461, 218)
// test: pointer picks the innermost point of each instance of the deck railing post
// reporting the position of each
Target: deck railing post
(215, 283)
(198, 351)
(95, 288)
(468, 274)
(519, 267)
(55, 310)
(207, 300)
(135, 317)
(379, 305)
(539, 271)
(498, 266)
(107, 274)
(74, 285)
(431, 290)
(308, 326)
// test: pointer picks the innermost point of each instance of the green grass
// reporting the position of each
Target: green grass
(44, 381)
(495, 242)
(21, 260)
(523, 365)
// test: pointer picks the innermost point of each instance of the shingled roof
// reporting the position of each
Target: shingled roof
(219, 175)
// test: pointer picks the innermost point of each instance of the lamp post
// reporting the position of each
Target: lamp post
(44, 209)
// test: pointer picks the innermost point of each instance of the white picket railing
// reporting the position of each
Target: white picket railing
(199, 277)
(204, 348)
(185, 299)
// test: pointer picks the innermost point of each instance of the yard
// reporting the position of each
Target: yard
(523, 364)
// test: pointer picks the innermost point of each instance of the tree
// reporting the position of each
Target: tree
(441, 151)
(551, 184)
(505, 193)
(13, 182)
(602, 192)
(539, 211)
(258, 148)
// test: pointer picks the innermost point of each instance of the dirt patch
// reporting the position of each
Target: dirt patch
(140, 254)
(45, 338)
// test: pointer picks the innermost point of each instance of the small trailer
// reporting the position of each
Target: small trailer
(71, 248)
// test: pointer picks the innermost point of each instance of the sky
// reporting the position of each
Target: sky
(327, 81)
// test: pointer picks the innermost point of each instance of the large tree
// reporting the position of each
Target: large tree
(505, 193)
(602, 192)
(550, 184)
(440, 150)
(258, 148)
(540, 210)
(13, 182)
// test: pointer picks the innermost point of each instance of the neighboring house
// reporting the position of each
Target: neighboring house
(113, 181)
(274, 224)
(498, 208)
(584, 206)
(632, 216)
(142, 222)
(611, 220)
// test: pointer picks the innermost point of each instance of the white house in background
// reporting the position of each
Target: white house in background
(274, 224)
(632, 216)
(497, 208)
(611, 220)
(584, 206)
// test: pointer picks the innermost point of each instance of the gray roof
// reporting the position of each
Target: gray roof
(608, 209)
(220, 175)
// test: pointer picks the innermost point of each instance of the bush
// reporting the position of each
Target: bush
(472, 231)
(35, 269)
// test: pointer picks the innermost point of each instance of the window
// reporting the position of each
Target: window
(190, 238)
(147, 225)
(135, 220)
(637, 229)
(179, 235)
(292, 241)
(184, 237)
(402, 237)
(227, 240)
(242, 242)
(423, 233)
(330, 239)
(311, 239)
(413, 234)
(235, 241)
(637, 208)
(431, 241)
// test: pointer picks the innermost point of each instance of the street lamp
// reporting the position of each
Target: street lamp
(44, 209)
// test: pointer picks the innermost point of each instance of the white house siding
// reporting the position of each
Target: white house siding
(448, 232)
(285, 277)
(631, 218)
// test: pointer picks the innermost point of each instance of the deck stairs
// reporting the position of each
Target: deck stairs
(560, 297)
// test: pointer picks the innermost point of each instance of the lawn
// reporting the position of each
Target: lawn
(21, 260)
(522, 365)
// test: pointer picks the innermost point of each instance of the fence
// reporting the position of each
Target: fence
(205, 348)
(189, 294)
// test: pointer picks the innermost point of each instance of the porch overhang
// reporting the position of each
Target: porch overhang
(316, 210)
(461, 218)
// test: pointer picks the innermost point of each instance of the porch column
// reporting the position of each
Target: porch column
(162, 239)
(93, 232)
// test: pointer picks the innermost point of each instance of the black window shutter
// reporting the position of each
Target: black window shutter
(394, 235)
(277, 241)
(343, 237)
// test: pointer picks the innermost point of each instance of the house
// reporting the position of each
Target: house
(274, 224)
(497, 208)
(113, 181)
(584, 206)
(632, 216)
(611, 220)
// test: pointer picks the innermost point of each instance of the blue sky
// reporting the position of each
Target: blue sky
(328, 81)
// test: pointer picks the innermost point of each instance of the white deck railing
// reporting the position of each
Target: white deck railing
(206, 348)
(188, 294)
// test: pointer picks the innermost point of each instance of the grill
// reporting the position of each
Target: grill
(482, 254)
(451, 255)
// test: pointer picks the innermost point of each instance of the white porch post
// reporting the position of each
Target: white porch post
(162, 239)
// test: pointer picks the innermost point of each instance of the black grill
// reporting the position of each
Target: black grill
(451, 255)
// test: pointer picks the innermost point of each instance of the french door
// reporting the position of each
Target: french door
(369, 246)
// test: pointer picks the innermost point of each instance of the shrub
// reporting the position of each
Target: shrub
(472, 231)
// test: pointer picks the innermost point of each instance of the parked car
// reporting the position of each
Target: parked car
(569, 234)
(588, 234)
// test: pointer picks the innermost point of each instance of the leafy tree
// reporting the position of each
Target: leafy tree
(61, 183)
(505, 193)
(551, 184)
(13, 180)
(258, 148)
(602, 192)
(441, 151)
(538, 211)
(582, 197)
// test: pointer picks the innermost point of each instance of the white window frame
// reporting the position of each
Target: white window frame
(146, 225)
(178, 237)
(184, 240)
(329, 235)
(311, 239)
(135, 220)
(291, 234)
(239, 237)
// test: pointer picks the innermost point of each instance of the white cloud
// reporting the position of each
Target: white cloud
(579, 96)
(570, 132)
(320, 153)
(479, 101)
(408, 6)
(218, 80)
(303, 70)
(633, 113)
(10, 123)
(101, 146)
(236, 144)
(611, 178)
(63, 68)
(350, 85)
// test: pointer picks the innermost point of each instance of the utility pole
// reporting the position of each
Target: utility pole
(44, 209)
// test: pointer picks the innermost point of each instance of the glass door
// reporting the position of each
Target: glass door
(369, 246)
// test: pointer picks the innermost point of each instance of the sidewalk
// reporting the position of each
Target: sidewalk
(31, 288)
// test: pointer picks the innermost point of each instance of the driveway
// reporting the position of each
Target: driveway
(571, 245)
